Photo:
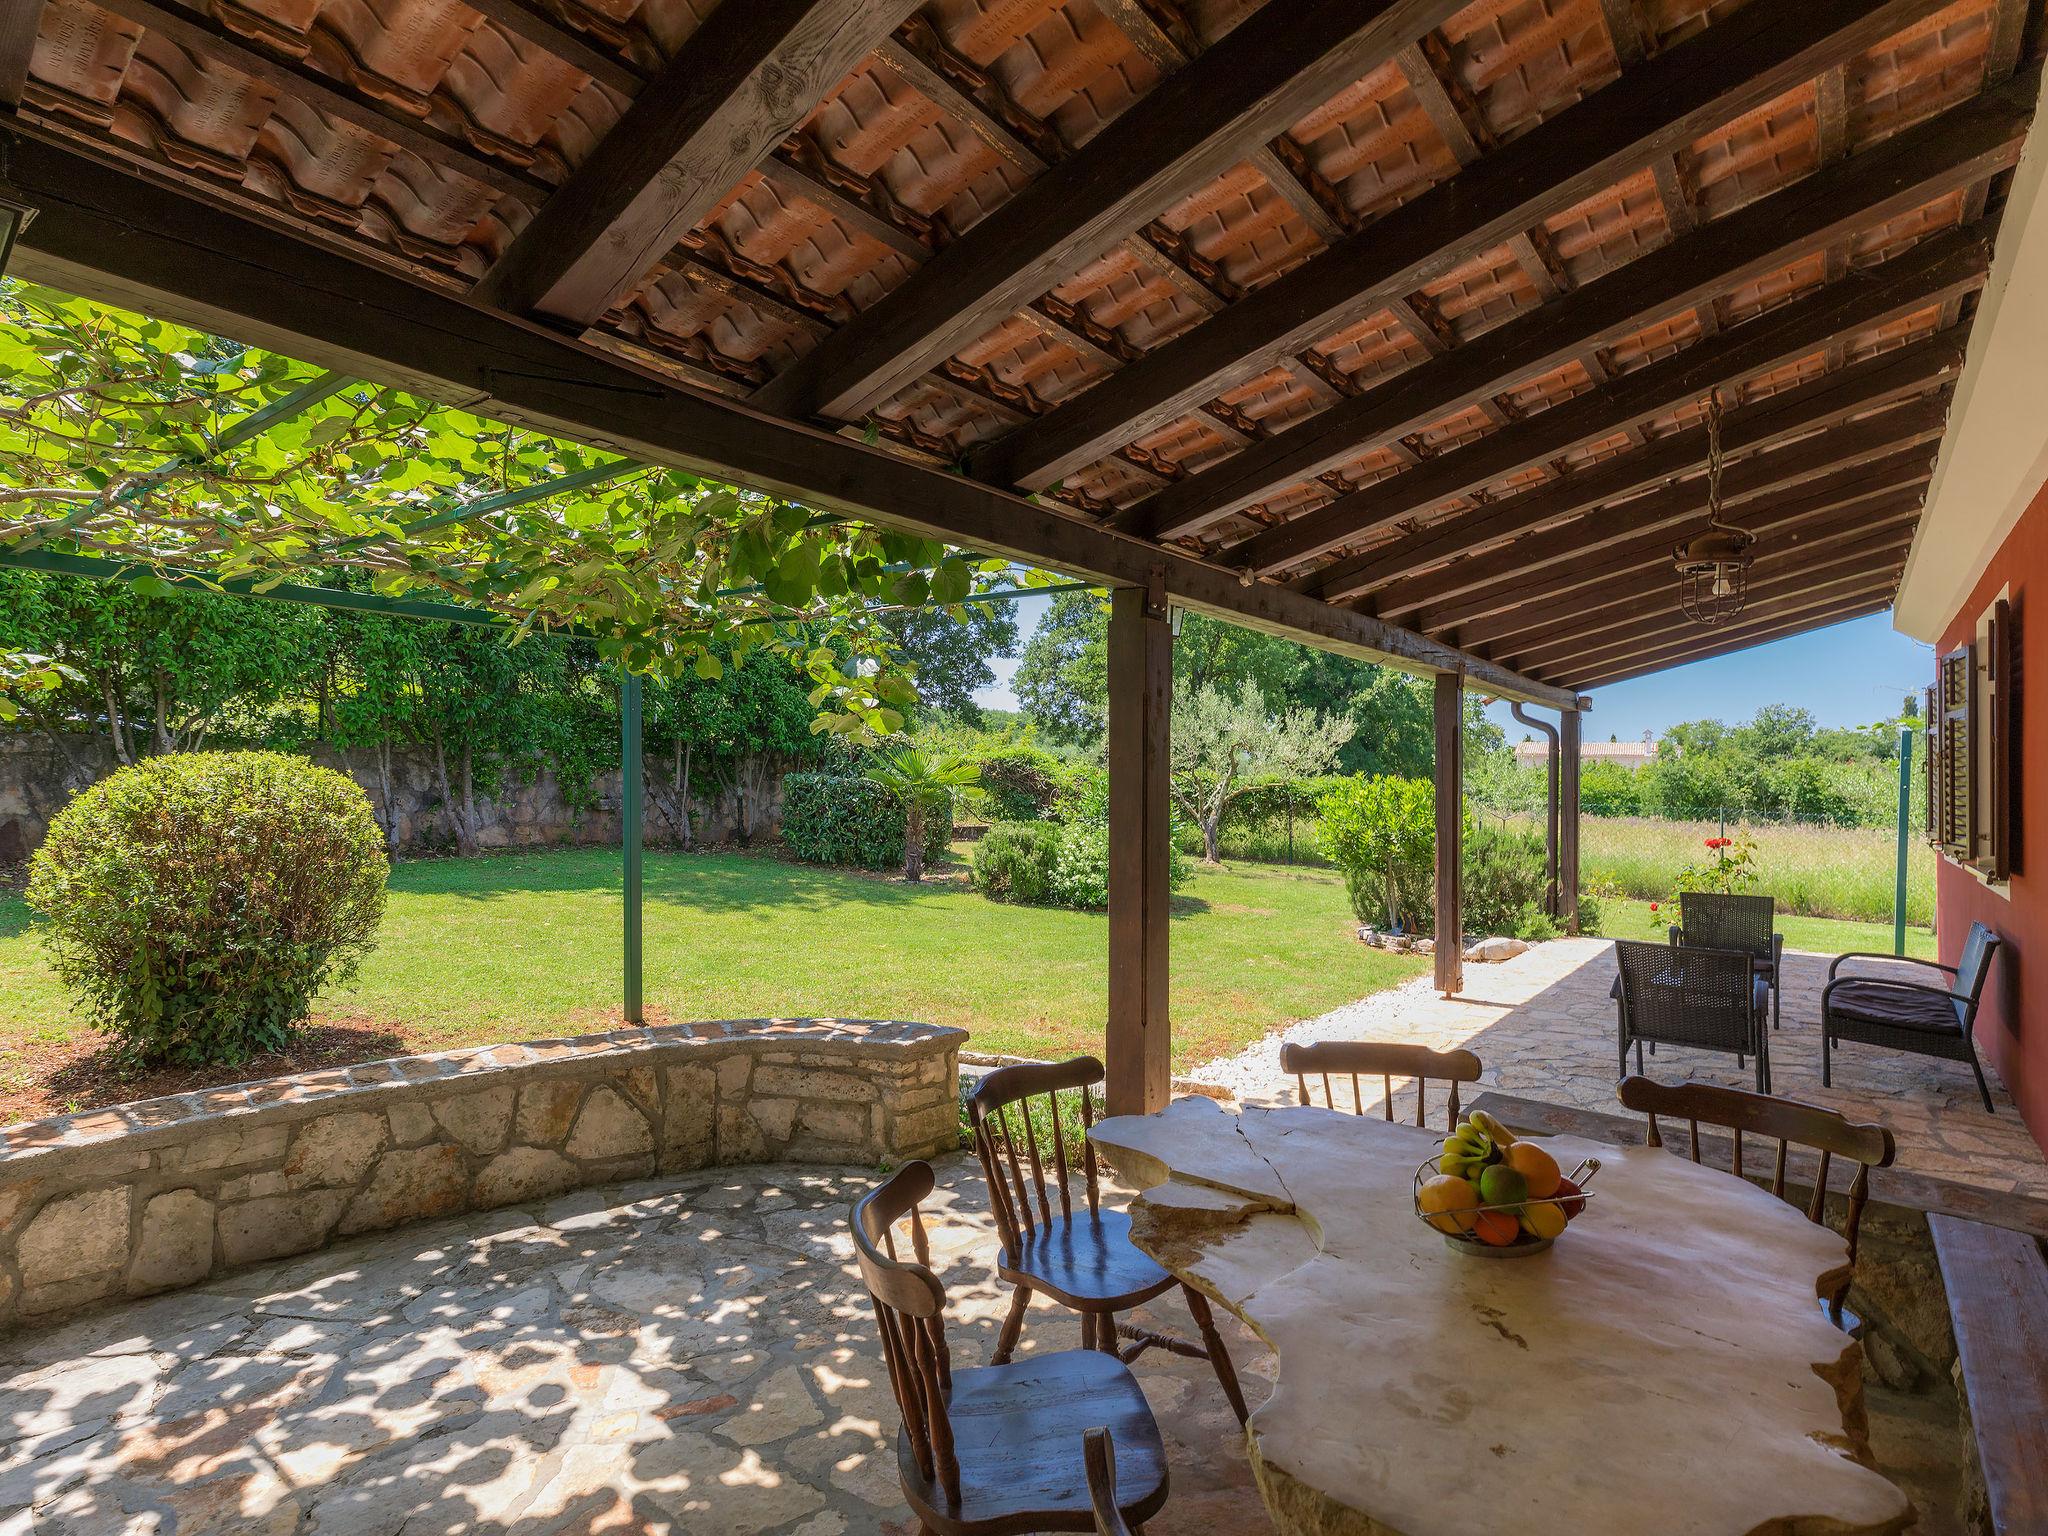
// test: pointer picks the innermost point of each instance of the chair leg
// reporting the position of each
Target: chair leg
(1983, 1088)
(1639, 1059)
(1013, 1325)
(1827, 1060)
(1105, 1333)
(1777, 996)
(1219, 1357)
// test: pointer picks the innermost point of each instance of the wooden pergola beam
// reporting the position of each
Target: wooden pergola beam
(736, 88)
(116, 236)
(1923, 276)
(1793, 572)
(1196, 123)
(1962, 146)
(1829, 400)
(1738, 64)
(1620, 543)
(19, 24)
(1137, 1042)
(1449, 776)
(1728, 645)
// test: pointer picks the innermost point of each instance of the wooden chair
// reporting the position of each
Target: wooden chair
(1082, 1257)
(1903, 1015)
(1383, 1060)
(1706, 999)
(1711, 920)
(991, 1450)
(1786, 1121)
(1100, 1453)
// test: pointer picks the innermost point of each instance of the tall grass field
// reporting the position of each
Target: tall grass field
(1814, 871)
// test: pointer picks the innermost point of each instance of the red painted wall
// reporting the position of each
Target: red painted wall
(2012, 1028)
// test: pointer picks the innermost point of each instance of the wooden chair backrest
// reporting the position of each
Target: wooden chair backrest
(1740, 1113)
(910, 1307)
(1008, 1143)
(1384, 1060)
(1099, 1451)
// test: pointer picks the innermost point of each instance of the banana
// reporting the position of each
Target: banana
(1498, 1133)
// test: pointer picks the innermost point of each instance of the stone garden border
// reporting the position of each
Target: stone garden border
(167, 1192)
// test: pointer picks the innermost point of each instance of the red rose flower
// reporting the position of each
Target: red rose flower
(1653, 906)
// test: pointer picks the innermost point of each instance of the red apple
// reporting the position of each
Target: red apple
(1570, 1198)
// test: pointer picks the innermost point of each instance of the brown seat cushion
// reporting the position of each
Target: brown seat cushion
(1894, 1007)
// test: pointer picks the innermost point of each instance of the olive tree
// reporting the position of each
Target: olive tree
(1226, 743)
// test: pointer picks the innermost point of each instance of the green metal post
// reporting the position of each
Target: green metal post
(1905, 815)
(631, 796)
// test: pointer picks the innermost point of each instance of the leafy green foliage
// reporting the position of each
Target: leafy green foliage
(1080, 873)
(1222, 742)
(114, 441)
(1381, 835)
(849, 819)
(197, 902)
(1062, 679)
(24, 674)
(1505, 877)
(924, 786)
(1013, 861)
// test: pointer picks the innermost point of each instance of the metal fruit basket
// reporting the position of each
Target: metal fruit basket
(1522, 1246)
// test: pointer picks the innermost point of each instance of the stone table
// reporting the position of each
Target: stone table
(1665, 1367)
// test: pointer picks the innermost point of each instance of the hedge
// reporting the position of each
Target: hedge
(830, 818)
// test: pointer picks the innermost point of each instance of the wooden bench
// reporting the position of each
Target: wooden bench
(1997, 1284)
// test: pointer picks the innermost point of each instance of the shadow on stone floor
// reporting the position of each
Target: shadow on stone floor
(690, 1355)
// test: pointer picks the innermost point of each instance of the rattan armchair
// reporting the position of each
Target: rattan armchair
(1712, 920)
(1902, 1015)
(1706, 999)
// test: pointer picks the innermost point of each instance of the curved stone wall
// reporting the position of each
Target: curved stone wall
(150, 1196)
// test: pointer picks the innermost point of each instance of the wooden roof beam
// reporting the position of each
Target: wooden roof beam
(1870, 384)
(736, 88)
(1728, 645)
(1738, 64)
(19, 23)
(112, 234)
(1195, 123)
(1925, 275)
(1915, 167)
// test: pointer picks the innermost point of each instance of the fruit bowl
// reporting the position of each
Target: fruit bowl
(1492, 1195)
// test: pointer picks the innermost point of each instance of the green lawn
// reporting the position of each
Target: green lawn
(1828, 936)
(527, 946)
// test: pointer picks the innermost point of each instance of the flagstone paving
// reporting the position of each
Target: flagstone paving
(693, 1355)
(1544, 1027)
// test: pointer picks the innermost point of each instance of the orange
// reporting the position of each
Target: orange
(1537, 1166)
(1496, 1227)
(1444, 1200)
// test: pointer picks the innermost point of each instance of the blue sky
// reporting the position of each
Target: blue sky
(1850, 674)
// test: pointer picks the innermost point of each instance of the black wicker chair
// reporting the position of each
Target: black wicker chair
(1710, 920)
(1915, 1016)
(1708, 999)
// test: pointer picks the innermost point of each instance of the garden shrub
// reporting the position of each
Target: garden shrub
(1019, 782)
(1080, 874)
(198, 901)
(1014, 861)
(1505, 877)
(1381, 835)
(835, 818)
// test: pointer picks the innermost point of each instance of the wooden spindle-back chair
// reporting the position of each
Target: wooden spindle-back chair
(1067, 1247)
(1385, 1060)
(1786, 1121)
(1099, 1451)
(1017, 1463)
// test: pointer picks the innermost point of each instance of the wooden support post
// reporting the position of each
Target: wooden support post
(1450, 832)
(1569, 725)
(1140, 697)
(1551, 887)
(632, 800)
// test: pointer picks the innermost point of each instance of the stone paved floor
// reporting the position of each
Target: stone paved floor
(689, 1355)
(675, 1356)
(1545, 1028)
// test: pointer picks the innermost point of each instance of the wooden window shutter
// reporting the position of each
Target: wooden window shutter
(2000, 743)
(1956, 820)
(1932, 767)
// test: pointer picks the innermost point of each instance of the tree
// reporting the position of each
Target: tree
(923, 784)
(1381, 834)
(1062, 679)
(1224, 742)
(748, 712)
(949, 648)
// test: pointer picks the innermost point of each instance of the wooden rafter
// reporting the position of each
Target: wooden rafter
(1727, 643)
(1196, 123)
(112, 235)
(1914, 167)
(19, 23)
(743, 80)
(1740, 63)
(1805, 408)
(1925, 275)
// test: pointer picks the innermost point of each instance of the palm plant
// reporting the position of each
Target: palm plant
(922, 783)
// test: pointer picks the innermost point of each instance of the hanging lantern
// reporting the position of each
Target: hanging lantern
(1713, 565)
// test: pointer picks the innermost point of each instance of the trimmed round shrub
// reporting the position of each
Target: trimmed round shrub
(1014, 861)
(1019, 782)
(196, 902)
(837, 818)
(1080, 874)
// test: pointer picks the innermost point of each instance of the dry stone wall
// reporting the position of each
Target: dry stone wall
(151, 1196)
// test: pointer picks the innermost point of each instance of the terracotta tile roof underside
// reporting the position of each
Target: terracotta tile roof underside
(1416, 342)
